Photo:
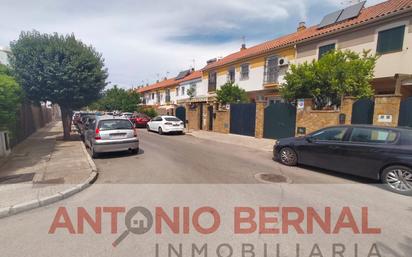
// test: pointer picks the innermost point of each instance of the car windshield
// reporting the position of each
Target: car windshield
(114, 124)
(171, 119)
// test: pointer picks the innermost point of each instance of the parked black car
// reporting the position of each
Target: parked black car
(380, 153)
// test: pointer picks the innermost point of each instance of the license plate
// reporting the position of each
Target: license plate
(175, 125)
(118, 135)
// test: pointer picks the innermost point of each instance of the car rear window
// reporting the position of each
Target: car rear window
(372, 135)
(171, 119)
(142, 116)
(114, 124)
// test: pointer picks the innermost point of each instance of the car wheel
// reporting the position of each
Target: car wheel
(288, 156)
(160, 131)
(135, 151)
(398, 179)
(94, 153)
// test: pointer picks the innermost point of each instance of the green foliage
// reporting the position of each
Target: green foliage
(117, 99)
(56, 68)
(336, 74)
(60, 69)
(231, 93)
(10, 99)
(151, 112)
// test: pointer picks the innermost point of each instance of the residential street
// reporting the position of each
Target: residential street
(174, 159)
(182, 171)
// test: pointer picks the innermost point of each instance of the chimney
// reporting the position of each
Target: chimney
(302, 26)
(165, 78)
(243, 47)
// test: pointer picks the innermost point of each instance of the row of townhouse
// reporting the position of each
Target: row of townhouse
(384, 29)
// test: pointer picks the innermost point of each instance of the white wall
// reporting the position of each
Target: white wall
(387, 65)
(255, 81)
(200, 90)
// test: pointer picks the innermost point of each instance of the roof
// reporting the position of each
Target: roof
(371, 13)
(171, 82)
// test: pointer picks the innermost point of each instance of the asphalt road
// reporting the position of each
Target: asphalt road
(183, 171)
(184, 159)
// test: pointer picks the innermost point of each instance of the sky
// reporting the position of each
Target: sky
(145, 40)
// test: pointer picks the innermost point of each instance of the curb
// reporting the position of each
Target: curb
(32, 204)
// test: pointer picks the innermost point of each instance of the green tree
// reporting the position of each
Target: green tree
(149, 111)
(117, 99)
(231, 93)
(60, 69)
(10, 99)
(327, 80)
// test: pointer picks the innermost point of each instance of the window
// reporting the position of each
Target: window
(231, 75)
(183, 90)
(152, 96)
(193, 88)
(158, 97)
(369, 135)
(114, 125)
(390, 40)
(171, 119)
(167, 95)
(244, 71)
(325, 49)
(177, 91)
(212, 81)
(330, 134)
(271, 70)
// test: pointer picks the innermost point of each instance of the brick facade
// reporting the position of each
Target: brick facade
(313, 120)
(260, 119)
(193, 115)
(221, 123)
(387, 105)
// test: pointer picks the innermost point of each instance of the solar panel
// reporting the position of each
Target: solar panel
(330, 19)
(182, 74)
(351, 11)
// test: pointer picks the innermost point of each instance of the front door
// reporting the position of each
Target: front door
(201, 116)
(210, 109)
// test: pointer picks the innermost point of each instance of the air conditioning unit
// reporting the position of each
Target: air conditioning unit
(5, 148)
(283, 61)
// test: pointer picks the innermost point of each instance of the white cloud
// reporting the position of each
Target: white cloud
(136, 37)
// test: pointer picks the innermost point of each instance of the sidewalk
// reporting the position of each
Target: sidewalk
(262, 144)
(44, 169)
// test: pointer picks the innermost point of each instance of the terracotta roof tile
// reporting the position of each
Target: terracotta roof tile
(170, 82)
(366, 14)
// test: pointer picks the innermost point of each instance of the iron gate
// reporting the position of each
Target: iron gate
(362, 111)
(279, 121)
(181, 113)
(242, 119)
(405, 113)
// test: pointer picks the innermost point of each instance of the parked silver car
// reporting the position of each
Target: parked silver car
(111, 134)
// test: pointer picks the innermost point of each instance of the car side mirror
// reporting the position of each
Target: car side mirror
(309, 139)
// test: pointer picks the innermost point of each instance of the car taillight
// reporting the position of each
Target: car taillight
(168, 123)
(97, 136)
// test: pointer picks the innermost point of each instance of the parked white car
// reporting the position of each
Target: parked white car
(165, 124)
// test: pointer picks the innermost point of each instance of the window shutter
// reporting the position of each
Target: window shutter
(390, 40)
